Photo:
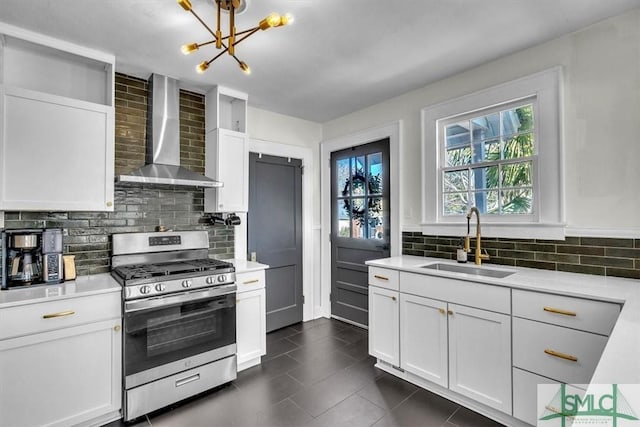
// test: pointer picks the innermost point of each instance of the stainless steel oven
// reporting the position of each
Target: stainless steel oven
(179, 320)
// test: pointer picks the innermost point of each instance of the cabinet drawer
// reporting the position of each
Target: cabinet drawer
(487, 297)
(578, 313)
(525, 395)
(250, 280)
(384, 278)
(534, 341)
(46, 316)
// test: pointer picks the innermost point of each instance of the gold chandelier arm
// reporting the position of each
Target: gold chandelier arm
(232, 54)
(205, 43)
(217, 56)
(218, 30)
(251, 32)
(232, 29)
(202, 22)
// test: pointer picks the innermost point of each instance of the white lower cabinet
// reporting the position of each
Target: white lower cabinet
(384, 325)
(427, 330)
(485, 346)
(525, 394)
(62, 377)
(556, 339)
(251, 318)
(423, 338)
(480, 355)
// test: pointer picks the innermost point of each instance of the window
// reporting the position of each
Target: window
(498, 149)
(487, 160)
(360, 197)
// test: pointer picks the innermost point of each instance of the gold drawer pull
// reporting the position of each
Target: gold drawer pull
(393, 298)
(248, 282)
(559, 311)
(450, 312)
(381, 277)
(60, 314)
(442, 311)
(561, 355)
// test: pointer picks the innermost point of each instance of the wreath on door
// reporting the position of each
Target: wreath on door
(374, 205)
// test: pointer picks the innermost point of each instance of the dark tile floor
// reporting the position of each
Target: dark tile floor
(316, 374)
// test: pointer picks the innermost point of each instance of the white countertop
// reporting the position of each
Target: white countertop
(82, 286)
(244, 266)
(620, 361)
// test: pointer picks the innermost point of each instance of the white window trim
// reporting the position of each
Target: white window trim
(546, 87)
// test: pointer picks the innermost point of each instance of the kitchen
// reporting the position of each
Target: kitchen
(595, 62)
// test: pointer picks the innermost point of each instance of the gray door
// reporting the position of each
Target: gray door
(359, 224)
(275, 233)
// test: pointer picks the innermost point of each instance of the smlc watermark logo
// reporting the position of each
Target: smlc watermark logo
(566, 405)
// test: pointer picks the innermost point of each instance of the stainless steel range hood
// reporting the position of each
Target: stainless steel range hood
(163, 140)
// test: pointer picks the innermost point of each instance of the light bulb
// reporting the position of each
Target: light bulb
(286, 19)
(272, 20)
(202, 67)
(186, 4)
(244, 67)
(188, 48)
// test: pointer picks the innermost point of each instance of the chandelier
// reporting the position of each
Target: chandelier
(227, 44)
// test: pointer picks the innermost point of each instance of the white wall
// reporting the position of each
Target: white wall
(274, 127)
(601, 122)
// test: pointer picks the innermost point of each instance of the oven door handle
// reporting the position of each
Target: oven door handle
(182, 297)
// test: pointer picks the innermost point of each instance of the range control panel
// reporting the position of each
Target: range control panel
(164, 240)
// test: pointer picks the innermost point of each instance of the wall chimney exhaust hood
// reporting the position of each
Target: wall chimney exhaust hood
(163, 140)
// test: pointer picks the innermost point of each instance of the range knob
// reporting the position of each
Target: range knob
(209, 280)
(222, 278)
(160, 287)
(145, 289)
(186, 283)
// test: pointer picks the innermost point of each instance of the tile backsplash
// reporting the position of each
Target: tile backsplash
(590, 255)
(137, 208)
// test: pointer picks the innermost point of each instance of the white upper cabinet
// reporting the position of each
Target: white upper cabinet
(56, 124)
(226, 155)
(226, 109)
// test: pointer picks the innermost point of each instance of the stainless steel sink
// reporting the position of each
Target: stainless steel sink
(467, 269)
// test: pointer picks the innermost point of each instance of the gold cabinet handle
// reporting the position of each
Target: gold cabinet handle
(116, 328)
(561, 355)
(380, 277)
(559, 311)
(393, 298)
(450, 312)
(59, 314)
(248, 282)
(442, 310)
(109, 204)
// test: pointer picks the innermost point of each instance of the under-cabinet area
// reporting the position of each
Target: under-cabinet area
(484, 345)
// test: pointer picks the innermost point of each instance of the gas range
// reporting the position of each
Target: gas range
(155, 264)
(179, 318)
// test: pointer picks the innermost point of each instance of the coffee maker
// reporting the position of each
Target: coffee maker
(31, 257)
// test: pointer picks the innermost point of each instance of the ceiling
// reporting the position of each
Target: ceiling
(338, 57)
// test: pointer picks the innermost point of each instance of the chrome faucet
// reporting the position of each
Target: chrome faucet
(479, 256)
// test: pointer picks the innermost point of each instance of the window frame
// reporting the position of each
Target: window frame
(442, 158)
(547, 220)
